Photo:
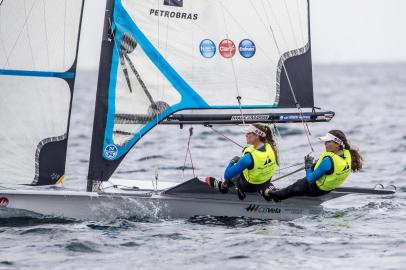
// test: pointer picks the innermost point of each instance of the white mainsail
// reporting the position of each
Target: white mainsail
(160, 57)
(222, 49)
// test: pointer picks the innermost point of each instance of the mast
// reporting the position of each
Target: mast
(99, 124)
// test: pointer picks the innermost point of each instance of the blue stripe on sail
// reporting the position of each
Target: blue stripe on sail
(189, 98)
(31, 73)
(124, 23)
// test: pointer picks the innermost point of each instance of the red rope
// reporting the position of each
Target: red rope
(306, 127)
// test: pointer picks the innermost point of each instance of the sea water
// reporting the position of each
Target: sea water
(355, 231)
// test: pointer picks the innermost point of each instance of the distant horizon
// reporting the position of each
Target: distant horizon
(358, 31)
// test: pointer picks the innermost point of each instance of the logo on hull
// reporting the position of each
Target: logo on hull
(3, 202)
(262, 209)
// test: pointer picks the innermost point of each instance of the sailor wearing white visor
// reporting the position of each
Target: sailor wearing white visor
(328, 173)
(252, 171)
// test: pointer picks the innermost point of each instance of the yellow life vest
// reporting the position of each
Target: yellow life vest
(341, 170)
(264, 165)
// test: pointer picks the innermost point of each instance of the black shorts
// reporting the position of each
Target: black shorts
(245, 186)
(300, 188)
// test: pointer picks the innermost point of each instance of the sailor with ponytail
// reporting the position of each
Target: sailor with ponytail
(328, 173)
(252, 172)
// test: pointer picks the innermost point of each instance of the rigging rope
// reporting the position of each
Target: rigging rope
(288, 174)
(299, 108)
(242, 114)
(190, 154)
(233, 68)
(290, 166)
(279, 169)
(221, 134)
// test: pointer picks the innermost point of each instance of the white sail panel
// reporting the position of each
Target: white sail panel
(178, 34)
(38, 49)
(31, 110)
(131, 97)
(39, 35)
(220, 49)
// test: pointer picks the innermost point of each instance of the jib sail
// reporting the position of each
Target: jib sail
(38, 51)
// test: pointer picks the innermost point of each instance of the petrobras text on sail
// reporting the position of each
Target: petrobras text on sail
(173, 14)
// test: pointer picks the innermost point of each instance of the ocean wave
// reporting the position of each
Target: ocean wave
(240, 222)
(131, 171)
(82, 247)
(130, 244)
(32, 221)
(387, 204)
(6, 263)
(41, 231)
(171, 236)
(147, 158)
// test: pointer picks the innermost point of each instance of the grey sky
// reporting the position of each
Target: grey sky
(358, 30)
(342, 31)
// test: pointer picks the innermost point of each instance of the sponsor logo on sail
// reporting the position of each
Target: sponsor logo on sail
(3, 202)
(111, 151)
(207, 48)
(173, 14)
(293, 117)
(227, 48)
(262, 209)
(174, 3)
(247, 48)
(257, 117)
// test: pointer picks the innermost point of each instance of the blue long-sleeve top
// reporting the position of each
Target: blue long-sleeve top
(234, 169)
(325, 167)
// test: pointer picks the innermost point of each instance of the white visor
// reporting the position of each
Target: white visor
(252, 129)
(330, 137)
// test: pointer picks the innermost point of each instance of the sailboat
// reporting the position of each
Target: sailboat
(162, 62)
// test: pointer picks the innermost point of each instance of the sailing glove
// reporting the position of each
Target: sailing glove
(308, 161)
(235, 159)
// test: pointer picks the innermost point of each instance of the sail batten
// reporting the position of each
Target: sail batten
(34, 73)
